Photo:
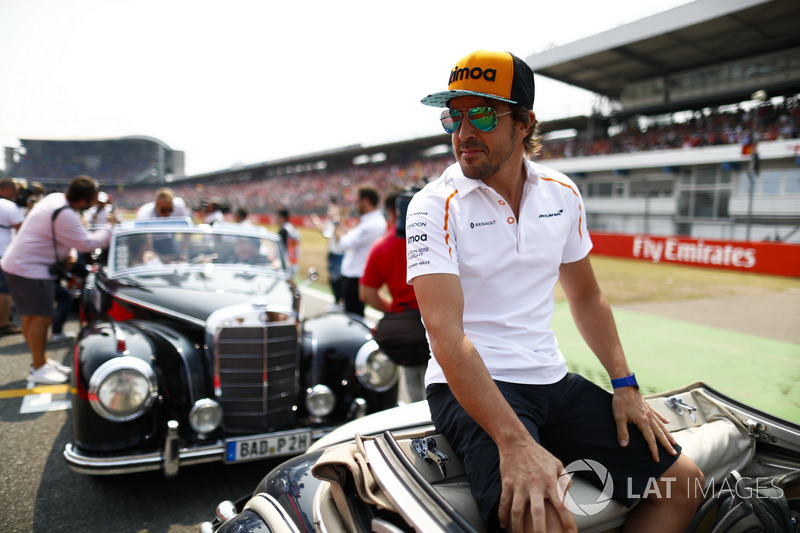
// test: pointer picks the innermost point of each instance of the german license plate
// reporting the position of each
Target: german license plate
(267, 445)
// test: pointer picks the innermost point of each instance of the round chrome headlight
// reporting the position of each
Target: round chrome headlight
(374, 369)
(320, 401)
(122, 388)
(205, 416)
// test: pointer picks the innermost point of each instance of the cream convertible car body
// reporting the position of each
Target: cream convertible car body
(391, 472)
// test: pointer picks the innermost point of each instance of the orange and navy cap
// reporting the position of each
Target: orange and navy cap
(498, 75)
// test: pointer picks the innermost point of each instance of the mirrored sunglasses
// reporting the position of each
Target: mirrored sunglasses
(482, 118)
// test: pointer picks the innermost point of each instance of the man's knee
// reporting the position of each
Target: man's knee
(682, 485)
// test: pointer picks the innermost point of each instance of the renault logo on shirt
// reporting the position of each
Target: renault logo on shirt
(548, 215)
(474, 225)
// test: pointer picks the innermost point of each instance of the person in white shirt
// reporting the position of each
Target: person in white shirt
(50, 230)
(240, 217)
(335, 254)
(486, 244)
(11, 217)
(166, 204)
(291, 240)
(356, 244)
(213, 212)
(99, 213)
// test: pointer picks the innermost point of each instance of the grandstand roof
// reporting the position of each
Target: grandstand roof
(144, 138)
(694, 35)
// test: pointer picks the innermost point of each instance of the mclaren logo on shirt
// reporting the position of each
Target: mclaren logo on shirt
(549, 215)
(474, 225)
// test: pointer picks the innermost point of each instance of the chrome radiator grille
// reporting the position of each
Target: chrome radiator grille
(257, 376)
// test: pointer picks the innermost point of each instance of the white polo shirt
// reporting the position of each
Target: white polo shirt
(356, 243)
(507, 268)
(148, 210)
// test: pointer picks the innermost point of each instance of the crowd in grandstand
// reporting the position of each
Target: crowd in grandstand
(701, 129)
(303, 192)
(309, 191)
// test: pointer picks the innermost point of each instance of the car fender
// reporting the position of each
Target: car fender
(175, 362)
(96, 345)
(179, 361)
(102, 341)
(330, 343)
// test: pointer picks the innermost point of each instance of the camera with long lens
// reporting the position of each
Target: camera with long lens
(24, 195)
(60, 271)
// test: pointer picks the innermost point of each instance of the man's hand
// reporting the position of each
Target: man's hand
(630, 407)
(531, 477)
(112, 217)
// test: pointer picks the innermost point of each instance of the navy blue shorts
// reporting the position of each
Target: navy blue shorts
(572, 419)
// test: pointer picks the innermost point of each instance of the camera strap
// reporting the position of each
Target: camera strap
(53, 228)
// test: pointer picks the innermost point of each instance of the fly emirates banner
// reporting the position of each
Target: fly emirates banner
(762, 257)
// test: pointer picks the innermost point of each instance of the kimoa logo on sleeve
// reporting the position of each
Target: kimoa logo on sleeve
(475, 73)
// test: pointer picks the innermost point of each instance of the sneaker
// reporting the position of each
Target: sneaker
(9, 329)
(47, 375)
(62, 336)
(64, 369)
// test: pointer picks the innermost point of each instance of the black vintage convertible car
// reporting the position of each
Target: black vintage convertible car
(194, 348)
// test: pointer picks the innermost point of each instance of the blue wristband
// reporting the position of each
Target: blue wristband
(627, 381)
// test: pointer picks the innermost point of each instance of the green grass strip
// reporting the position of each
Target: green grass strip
(667, 353)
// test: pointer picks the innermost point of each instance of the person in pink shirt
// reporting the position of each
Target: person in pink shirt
(51, 229)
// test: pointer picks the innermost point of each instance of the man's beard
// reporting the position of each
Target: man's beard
(493, 161)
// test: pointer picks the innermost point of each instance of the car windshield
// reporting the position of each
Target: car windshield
(183, 251)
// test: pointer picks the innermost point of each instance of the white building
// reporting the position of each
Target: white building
(698, 59)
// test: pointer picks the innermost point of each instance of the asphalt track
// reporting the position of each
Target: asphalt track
(39, 493)
(748, 348)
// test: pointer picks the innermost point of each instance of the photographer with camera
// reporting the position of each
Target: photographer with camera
(33, 260)
(28, 195)
(11, 217)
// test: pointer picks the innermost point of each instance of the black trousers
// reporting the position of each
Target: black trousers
(352, 304)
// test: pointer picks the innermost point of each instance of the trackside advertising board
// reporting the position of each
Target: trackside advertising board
(763, 257)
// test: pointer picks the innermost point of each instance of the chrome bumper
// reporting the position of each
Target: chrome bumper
(170, 459)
